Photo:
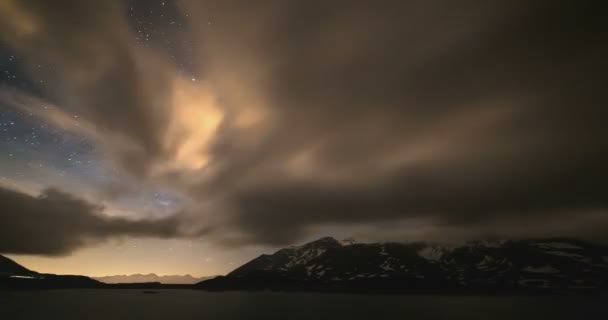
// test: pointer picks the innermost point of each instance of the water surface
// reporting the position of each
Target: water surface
(188, 304)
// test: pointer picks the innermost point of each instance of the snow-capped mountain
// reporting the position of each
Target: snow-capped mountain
(479, 266)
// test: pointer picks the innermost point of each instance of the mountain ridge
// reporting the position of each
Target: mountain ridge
(509, 266)
(16, 276)
(13, 276)
(151, 277)
(10, 267)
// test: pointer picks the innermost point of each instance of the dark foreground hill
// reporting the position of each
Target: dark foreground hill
(15, 276)
(9, 267)
(505, 267)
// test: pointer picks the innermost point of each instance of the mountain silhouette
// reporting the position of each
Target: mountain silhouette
(16, 276)
(9, 267)
(147, 278)
(13, 276)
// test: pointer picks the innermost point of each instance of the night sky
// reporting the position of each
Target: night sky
(189, 136)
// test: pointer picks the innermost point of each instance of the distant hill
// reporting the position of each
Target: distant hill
(148, 278)
(15, 276)
(501, 267)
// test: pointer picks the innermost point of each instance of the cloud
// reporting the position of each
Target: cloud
(474, 116)
(477, 117)
(57, 223)
(99, 75)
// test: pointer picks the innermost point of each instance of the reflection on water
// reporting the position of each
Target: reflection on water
(186, 304)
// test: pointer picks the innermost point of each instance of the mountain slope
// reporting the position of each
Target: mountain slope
(555, 265)
(10, 267)
(15, 276)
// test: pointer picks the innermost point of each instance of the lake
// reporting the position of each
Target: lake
(189, 304)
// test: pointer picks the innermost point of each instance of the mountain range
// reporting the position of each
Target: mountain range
(546, 266)
(498, 267)
(15, 276)
(147, 278)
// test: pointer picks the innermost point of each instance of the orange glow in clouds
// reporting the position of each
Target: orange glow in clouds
(195, 118)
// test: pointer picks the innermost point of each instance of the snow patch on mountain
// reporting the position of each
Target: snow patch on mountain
(544, 269)
(537, 283)
(432, 253)
(386, 265)
(383, 251)
(302, 256)
(557, 245)
(567, 254)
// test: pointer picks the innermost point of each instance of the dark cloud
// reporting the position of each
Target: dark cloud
(471, 114)
(482, 116)
(57, 223)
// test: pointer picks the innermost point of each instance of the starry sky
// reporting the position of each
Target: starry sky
(187, 137)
